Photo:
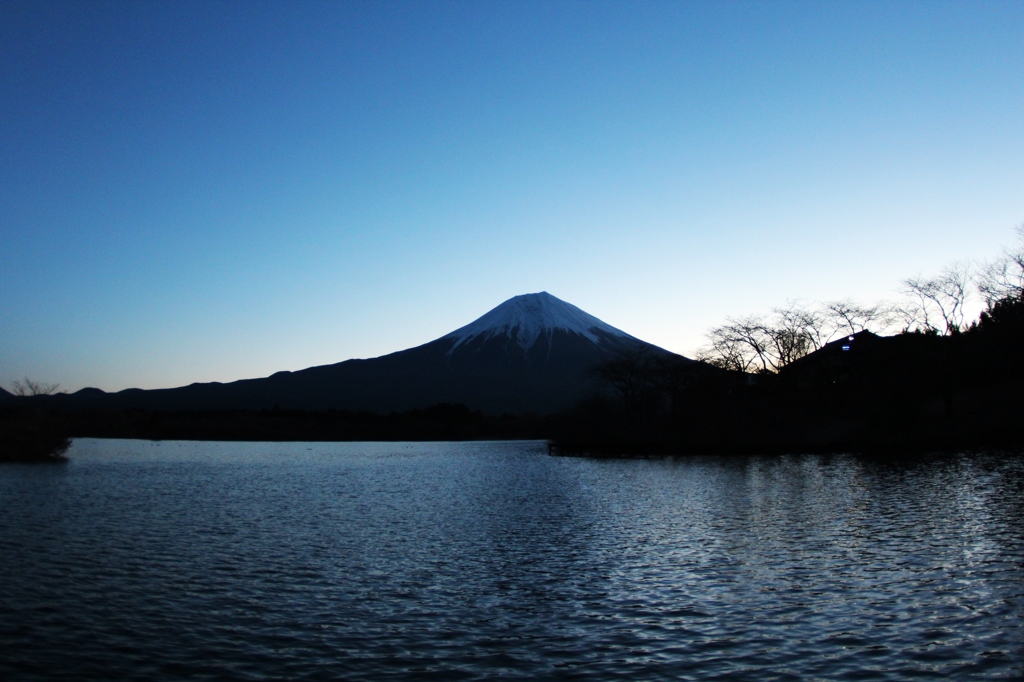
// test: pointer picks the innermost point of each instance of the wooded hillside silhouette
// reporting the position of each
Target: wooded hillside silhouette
(825, 377)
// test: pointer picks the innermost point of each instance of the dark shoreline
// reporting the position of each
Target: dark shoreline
(912, 392)
(31, 437)
(25, 434)
(957, 425)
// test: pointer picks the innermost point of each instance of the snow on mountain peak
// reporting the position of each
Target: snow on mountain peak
(530, 315)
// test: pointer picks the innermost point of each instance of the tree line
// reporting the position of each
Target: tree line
(922, 359)
(765, 343)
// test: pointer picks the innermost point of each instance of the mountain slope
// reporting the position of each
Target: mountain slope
(532, 353)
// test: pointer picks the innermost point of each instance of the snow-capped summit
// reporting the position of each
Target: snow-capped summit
(525, 318)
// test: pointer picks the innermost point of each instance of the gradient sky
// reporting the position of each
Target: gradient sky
(201, 191)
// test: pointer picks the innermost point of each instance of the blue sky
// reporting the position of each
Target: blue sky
(201, 191)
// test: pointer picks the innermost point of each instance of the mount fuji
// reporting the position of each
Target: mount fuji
(533, 353)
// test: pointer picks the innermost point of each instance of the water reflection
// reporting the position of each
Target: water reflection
(473, 560)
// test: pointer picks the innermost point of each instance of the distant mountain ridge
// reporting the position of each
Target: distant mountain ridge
(533, 353)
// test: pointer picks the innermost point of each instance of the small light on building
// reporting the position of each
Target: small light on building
(846, 348)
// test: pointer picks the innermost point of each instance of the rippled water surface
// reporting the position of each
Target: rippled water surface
(141, 560)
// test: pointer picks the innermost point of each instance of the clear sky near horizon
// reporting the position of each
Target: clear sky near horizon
(210, 191)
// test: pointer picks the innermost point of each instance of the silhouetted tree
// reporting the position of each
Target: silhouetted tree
(741, 344)
(1003, 278)
(936, 304)
(729, 346)
(795, 331)
(765, 344)
(848, 317)
(28, 388)
(635, 377)
(27, 434)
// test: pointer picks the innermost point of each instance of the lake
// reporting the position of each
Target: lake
(463, 561)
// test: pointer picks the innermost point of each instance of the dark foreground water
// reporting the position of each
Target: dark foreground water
(141, 560)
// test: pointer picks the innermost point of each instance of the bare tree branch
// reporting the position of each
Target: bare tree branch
(764, 344)
(28, 387)
(795, 330)
(1004, 277)
(937, 304)
(848, 317)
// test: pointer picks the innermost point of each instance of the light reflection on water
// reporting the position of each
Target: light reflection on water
(479, 560)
